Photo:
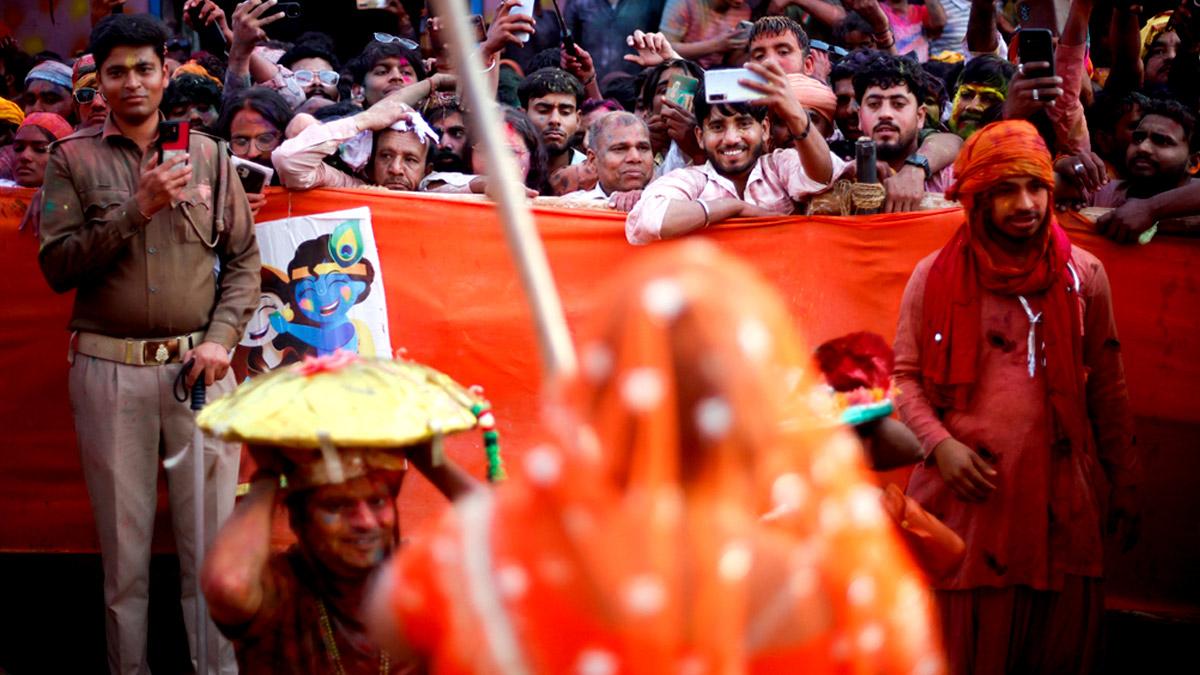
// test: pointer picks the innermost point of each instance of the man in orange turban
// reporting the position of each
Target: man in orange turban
(1026, 456)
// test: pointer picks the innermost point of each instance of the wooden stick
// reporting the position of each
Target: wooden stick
(554, 340)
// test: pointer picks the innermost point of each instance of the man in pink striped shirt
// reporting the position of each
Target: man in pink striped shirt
(740, 178)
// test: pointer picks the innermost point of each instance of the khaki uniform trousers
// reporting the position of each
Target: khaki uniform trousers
(127, 421)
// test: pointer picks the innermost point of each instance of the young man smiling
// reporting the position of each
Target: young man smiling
(738, 179)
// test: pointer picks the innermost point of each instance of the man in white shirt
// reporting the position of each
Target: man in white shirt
(738, 179)
(619, 149)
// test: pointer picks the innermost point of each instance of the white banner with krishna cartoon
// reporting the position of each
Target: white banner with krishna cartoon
(322, 291)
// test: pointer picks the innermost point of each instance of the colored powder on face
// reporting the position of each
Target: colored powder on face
(306, 305)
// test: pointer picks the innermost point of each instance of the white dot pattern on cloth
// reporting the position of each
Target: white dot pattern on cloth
(642, 389)
(861, 590)
(937, 337)
(644, 595)
(735, 562)
(871, 638)
(865, 509)
(543, 466)
(714, 417)
(596, 662)
(930, 665)
(578, 521)
(512, 580)
(692, 665)
(587, 441)
(663, 298)
(597, 362)
(831, 516)
(789, 491)
(754, 338)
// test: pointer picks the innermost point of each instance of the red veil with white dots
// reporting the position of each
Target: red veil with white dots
(701, 511)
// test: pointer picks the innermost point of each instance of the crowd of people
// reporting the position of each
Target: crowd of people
(1000, 325)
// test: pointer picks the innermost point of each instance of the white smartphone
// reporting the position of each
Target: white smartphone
(721, 86)
(526, 8)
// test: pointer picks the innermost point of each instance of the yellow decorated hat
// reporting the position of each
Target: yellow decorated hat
(346, 401)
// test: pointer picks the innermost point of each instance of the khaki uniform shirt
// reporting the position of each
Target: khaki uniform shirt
(180, 271)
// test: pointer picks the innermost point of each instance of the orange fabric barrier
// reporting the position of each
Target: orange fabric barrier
(455, 302)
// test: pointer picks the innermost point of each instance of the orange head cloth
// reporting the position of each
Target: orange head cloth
(699, 511)
(52, 123)
(813, 94)
(997, 152)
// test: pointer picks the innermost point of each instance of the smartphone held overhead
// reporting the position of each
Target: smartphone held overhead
(724, 86)
(524, 9)
(1036, 45)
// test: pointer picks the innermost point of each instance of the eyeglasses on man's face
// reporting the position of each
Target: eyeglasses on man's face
(264, 142)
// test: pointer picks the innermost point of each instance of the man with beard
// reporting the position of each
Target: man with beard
(892, 113)
(980, 93)
(551, 97)
(738, 179)
(387, 144)
(1009, 372)
(450, 122)
(619, 150)
(1163, 151)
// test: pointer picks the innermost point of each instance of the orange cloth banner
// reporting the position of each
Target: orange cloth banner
(455, 302)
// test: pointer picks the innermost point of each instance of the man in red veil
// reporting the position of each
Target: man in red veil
(1010, 374)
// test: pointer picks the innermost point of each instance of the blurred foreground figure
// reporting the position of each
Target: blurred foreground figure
(700, 512)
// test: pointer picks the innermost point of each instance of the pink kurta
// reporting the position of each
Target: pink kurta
(1044, 519)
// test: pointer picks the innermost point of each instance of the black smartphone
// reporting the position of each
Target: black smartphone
(252, 181)
(291, 10)
(1034, 45)
(568, 41)
(210, 37)
(172, 139)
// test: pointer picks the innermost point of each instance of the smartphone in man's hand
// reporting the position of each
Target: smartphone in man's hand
(172, 140)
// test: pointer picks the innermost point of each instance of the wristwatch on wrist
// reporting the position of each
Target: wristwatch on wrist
(920, 161)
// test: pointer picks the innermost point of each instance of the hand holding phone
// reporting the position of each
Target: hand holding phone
(1036, 46)
(681, 90)
(173, 139)
(162, 181)
(254, 176)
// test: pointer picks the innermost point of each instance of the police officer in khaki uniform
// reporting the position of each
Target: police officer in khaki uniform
(165, 268)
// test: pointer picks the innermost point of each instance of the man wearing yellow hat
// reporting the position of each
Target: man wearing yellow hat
(11, 117)
(298, 611)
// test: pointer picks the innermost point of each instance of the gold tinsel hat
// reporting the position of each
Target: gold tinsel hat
(342, 402)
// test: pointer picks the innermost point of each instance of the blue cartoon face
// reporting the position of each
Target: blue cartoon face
(328, 297)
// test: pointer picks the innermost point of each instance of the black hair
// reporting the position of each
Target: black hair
(547, 58)
(337, 111)
(652, 75)
(441, 109)
(886, 71)
(313, 252)
(309, 50)
(377, 51)
(538, 178)
(778, 25)
(1174, 110)
(933, 88)
(1110, 106)
(704, 109)
(127, 30)
(188, 89)
(945, 73)
(988, 70)
(622, 88)
(265, 101)
(854, 22)
(549, 81)
(851, 64)
(212, 63)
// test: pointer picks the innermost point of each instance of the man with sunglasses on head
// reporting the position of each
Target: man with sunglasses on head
(92, 106)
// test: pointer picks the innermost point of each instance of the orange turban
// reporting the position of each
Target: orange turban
(52, 123)
(194, 68)
(813, 94)
(998, 151)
